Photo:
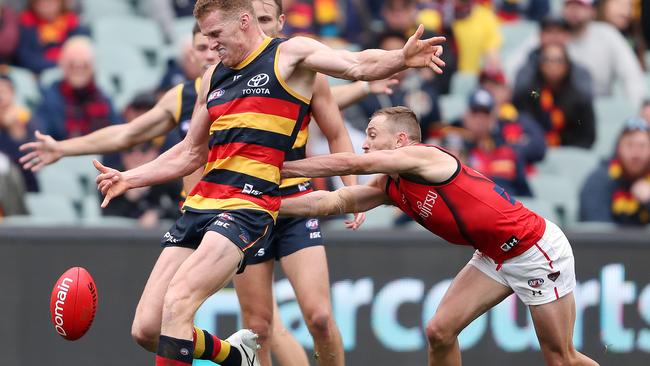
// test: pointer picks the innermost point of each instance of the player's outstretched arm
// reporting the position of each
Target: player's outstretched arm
(365, 65)
(182, 159)
(328, 118)
(156, 122)
(358, 198)
(426, 162)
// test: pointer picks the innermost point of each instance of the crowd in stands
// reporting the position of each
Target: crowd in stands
(524, 80)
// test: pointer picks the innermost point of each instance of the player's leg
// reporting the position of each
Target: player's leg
(307, 271)
(255, 293)
(554, 323)
(286, 349)
(148, 314)
(202, 274)
(471, 294)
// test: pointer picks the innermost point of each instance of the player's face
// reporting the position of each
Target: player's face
(379, 136)
(267, 16)
(202, 54)
(634, 153)
(226, 36)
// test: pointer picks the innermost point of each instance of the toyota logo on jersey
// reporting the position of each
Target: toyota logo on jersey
(258, 80)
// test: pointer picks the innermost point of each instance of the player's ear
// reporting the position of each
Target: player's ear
(402, 139)
(281, 20)
(244, 21)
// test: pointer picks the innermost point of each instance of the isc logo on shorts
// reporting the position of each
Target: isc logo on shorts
(315, 235)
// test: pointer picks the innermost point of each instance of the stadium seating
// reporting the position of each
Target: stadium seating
(568, 161)
(26, 87)
(92, 10)
(514, 34)
(51, 207)
(452, 106)
(559, 191)
(611, 113)
(463, 83)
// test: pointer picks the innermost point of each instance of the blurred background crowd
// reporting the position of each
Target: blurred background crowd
(546, 97)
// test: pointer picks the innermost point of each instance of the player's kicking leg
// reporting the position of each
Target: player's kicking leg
(471, 294)
(255, 293)
(202, 274)
(307, 271)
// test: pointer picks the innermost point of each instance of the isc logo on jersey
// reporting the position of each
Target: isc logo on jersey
(256, 83)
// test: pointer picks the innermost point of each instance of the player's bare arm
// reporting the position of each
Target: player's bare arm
(349, 199)
(426, 162)
(182, 159)
(159, 120)
(348, 94)
(374, 64)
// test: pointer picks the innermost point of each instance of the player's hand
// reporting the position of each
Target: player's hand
(423, 53)
(382, 86)
(110, 182)
(641, 190)
(44, 151)
(356, 222)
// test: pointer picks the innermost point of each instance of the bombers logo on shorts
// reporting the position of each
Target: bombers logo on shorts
(258, 80)
(312, 224)
(535, 282)
(553, 276)
(216, 94)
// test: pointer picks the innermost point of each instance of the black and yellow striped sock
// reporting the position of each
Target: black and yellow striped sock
(209, 347)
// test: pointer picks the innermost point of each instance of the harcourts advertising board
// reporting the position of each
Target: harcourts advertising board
(383, 295)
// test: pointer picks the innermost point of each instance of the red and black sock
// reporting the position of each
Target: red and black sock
(174, 351)
(209, 347)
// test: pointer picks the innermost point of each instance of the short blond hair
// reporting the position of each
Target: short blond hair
(204, 7)
(401, 119)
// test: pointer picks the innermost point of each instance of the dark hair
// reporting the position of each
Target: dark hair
(204, 7)
(402, 119)
(196, 29)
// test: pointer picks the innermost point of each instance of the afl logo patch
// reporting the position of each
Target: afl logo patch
(216, 94)
(312, 224)
(535, 282)
(258, 80)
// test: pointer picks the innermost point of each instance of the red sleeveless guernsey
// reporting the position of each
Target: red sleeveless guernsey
(469, 209)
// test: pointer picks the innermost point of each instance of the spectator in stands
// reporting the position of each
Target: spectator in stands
(476, 35)
(147, 204)
(312, 17)
(44, 27)
(603, 51)
(619, 13)
(416, 90)
(16, 128)
(619, 190)
(518, 129)
(645, 111)
(563, 110)
(75, 105)
(182, 69)
(485, 146)
(12, 189)
(8, 33)
(553, 31)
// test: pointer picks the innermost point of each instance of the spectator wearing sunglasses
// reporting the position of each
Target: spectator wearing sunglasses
(562, 107)
(618, 191)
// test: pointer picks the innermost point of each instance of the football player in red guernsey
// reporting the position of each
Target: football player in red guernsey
(516, 250)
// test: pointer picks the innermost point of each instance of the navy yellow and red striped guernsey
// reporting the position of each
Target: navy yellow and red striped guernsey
(185, 105)
(256, 118)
